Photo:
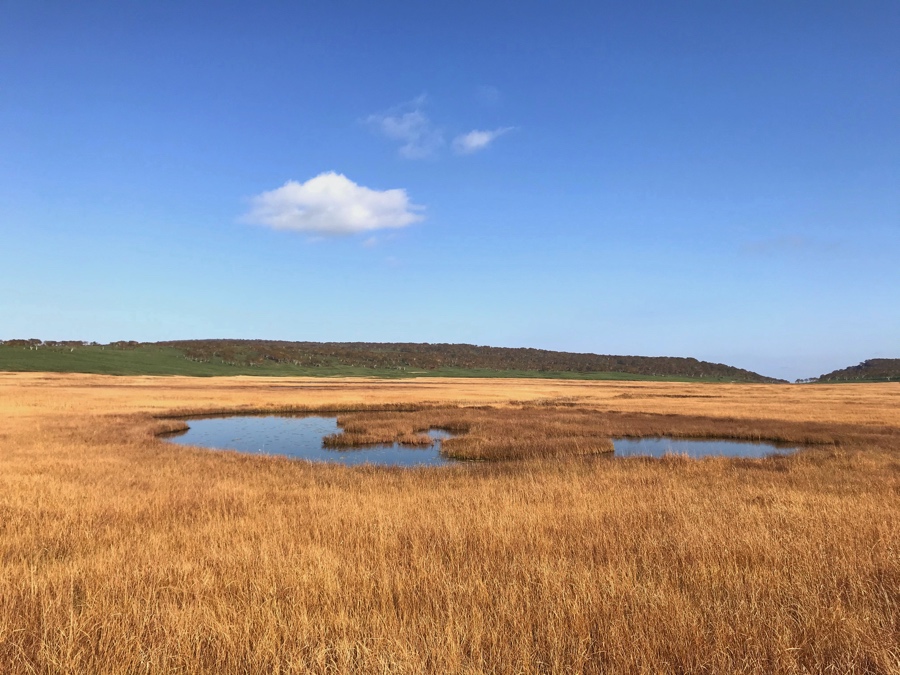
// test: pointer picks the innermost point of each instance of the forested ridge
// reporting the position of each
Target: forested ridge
(379, 357)
(436, 356)
(879, 370)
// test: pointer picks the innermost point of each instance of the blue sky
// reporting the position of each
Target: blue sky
(709, 179)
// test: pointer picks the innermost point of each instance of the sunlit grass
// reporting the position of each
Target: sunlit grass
(121, 553)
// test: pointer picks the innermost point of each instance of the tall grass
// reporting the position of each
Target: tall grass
(547, 430)
(121, 553)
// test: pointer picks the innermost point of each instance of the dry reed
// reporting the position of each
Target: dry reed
(121, 553)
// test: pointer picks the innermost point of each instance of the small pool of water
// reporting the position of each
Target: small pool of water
(658, 447)
(301, 438)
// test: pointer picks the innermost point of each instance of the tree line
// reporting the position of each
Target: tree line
(426, 356)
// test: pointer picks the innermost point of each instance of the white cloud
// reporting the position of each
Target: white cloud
(466, 144)
(409, 124)
(331, 204)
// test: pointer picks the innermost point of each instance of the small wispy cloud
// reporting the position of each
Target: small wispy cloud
(473, 141)
(330, 205)
(489, 95)
(420, 138)
(410, 125)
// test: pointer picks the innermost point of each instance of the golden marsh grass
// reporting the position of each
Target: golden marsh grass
(122, 553)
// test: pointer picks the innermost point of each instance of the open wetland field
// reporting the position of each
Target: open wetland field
(530, 547)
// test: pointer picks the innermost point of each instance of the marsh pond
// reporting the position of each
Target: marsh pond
(302, 438)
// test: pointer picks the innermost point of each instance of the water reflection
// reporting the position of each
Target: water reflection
(658, 447)
(301, 438)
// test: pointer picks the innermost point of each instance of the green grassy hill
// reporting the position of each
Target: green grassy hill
(258, 357)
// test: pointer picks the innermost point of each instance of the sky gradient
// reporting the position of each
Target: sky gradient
(707, 179)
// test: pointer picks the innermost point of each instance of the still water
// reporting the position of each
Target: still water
(657, 447)
(301, 438)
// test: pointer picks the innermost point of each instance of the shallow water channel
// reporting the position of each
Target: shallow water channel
(696, 448)
(301, 438)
